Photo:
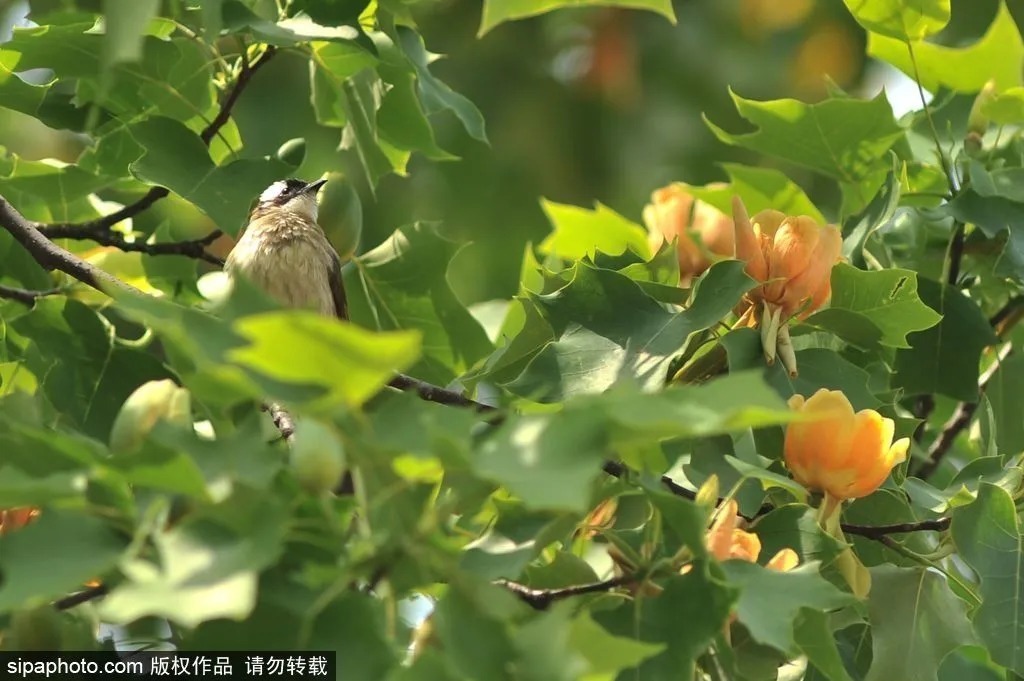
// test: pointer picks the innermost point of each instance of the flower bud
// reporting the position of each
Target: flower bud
(151, 402)
(14, 518)
(977, 120)
(317, 457)
(846, 455)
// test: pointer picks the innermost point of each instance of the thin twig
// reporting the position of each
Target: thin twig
(26, 296)
(618, 470)
(92, 593)
(960, 419)
(434, 393)
(1008, 315)
(193, 248)
(877, 531)
(98, 230)
(540, 599)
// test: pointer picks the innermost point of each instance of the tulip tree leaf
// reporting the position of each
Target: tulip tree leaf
(995, 203)
(904, 603)
(1005, 393)
(815, 638)
(403, 284)
(760, 189)
(608, 330)
(988, 535)
(30, 568)
(845, 139)
(996, 56)
(176, 158)
(685, 617)
(548, 459)
(874, 308)
(944, 358)
(126, 22)
(498, 11)
(581, 232)
(768, 597)
(904, 20)
(605, 653)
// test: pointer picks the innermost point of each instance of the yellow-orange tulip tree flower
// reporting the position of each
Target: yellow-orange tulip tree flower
(847, 455)
(673, 214)
(727, 541)
(793, 257)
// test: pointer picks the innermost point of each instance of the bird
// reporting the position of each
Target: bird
(284, 251)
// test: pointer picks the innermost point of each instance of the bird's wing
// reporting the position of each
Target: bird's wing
(337, 287)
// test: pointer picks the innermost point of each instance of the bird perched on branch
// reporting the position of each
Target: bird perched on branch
(285, 252)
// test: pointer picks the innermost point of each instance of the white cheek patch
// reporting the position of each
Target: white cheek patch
(273, 191)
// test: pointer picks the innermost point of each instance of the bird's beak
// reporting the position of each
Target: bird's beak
(314, 187)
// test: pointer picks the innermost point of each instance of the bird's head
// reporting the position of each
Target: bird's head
(291, 195)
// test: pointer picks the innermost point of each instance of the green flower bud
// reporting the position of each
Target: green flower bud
(293, 151)
(977, 121)
(317, 457)
(341, 214)
(151, 402)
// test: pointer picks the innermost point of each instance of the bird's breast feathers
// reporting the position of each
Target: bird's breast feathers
(289, 259)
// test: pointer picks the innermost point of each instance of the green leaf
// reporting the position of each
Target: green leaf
(903, 604)
(608, 330)
(1005, 393)
(85, 375)
(605, 653)
(18, 489)
(434, 94)
(333, 64)
(403, 284)
(995, 203)
(177, 159)
(1007, 108)
(795, 526)
(760, 189)
(498, 11)
(287, 32)
(45, 190)
(126, 22)
(815, 637)
(962, 69)
(871, 308)
(770, 600)
(580, 232)
(358, 101)
(208, 564)
(685, 618)
(350, 363)
(55, 555)
(988, 535)
(845, 139)
(944, 359)
(547, 461)
(904, 20)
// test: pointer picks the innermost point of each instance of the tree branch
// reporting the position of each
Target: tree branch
(540, 599)
(92, 593)
(282, 420)
(98, 230)
(876, 531)
(618, 470)
(960, 419)
(25, 296)
(52, 257)
(434, 393)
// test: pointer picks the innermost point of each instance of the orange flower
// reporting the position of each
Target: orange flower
(793, 258)
(673, 214)
(844, 454)
(726, 541)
